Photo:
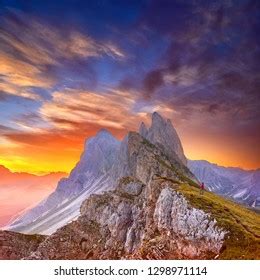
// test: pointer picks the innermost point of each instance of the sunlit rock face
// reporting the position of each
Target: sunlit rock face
(140, 158)
(131, 200)
(174, 215)
(143, 217)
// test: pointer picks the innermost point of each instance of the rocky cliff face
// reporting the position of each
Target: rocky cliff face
(141, 159)
(149, 208)
(136, 221)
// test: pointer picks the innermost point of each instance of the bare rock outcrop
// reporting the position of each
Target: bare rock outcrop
(136, 221)
(142, 215)
(174, 215)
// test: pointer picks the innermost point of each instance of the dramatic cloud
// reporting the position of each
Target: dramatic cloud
(71, 107)
(17, 77)
(29, 49)
(209, 68)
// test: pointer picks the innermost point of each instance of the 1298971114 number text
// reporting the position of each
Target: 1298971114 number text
(180, 270)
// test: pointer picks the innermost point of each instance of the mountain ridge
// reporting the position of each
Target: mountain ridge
(224, 166)
(6, 170)
(162, 133)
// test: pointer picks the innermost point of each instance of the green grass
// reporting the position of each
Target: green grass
(243, 239)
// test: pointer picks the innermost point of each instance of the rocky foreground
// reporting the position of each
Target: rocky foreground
(15, 246)
(136, 221)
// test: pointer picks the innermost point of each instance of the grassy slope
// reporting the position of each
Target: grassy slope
(243, 240)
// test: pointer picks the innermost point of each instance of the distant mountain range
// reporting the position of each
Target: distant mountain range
(21, 191)
(240, 185)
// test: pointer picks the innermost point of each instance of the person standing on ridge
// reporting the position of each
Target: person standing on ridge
(202, 188)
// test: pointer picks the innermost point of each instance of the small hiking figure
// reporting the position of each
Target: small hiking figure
(202, 188)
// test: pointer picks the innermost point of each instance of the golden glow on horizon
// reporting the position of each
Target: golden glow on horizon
(53, 159)
(33, 167)
(220, 151)
(59, 156)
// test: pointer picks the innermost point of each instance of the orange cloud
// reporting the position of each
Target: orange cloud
(113, 109)
(12, 89)
(40, 153)
(17, 76)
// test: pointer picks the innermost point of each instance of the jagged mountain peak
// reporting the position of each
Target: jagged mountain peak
(143, 129)
(104, 132)
(134, 199)
(156, 117)
(98, 150)
(89, 175)
(99, 154)
(163, 134)
(102, 136)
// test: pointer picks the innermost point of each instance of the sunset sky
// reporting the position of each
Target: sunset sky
(69, 68)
